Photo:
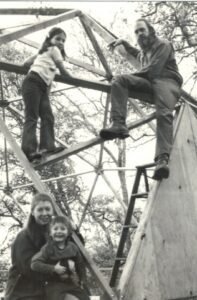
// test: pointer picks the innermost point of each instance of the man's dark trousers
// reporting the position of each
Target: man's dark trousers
(163, 92)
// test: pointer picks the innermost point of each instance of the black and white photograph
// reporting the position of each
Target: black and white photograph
(98, 150)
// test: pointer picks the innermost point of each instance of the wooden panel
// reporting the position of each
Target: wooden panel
(162, 263)
(89, 84)
(8, 37)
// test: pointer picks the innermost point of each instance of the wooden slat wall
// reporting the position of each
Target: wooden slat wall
(162, 263)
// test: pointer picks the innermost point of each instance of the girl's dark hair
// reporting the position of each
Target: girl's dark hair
(62, 220)
(150, 27)
(47, 42)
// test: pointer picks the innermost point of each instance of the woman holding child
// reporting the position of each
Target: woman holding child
(23, 282)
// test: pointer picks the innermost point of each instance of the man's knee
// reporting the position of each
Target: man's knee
(164, 114)
(118, 80)
(123, 80)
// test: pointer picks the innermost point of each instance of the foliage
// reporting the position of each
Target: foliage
(177, 22)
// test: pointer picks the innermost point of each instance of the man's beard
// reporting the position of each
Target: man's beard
(145, 42)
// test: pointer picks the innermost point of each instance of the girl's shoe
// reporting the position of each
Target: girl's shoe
(52, 151)
(34, 155)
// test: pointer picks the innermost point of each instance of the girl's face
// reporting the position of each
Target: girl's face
(43, 212)
(59, 232)
(58, 40)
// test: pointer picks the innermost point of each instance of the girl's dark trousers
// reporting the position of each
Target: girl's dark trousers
(37, 105)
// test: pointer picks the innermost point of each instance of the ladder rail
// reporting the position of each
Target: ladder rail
(125, 228)
(141, 171)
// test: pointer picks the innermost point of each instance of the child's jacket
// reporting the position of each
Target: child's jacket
(50, 255)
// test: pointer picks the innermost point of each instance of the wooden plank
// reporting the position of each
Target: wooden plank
(95, 45)
(85, 145)
(109, 38)
(21, 156)
(18, 113)
(71, 60)
(89, 84)
(33, 11)
(85, 66)
(162, 262)
(8, 37)
(41, 188)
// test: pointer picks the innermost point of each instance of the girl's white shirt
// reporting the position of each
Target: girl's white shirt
(45, 64)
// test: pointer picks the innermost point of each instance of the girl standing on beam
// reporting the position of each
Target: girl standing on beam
(35, 89)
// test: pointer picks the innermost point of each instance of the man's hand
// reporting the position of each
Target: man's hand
(60, 270)
(115, 43)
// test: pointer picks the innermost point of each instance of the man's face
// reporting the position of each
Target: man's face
(142, 33)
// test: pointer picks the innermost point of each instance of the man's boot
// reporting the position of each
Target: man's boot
(116, 130)
(161, 169)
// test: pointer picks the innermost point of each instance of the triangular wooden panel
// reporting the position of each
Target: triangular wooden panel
(162, 263)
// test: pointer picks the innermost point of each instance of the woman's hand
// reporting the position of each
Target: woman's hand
(60, 270)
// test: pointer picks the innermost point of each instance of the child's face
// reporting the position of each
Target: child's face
(59, 40)
(59, 232)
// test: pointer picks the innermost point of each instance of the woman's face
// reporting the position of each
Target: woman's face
(58, 40)
(43, 212)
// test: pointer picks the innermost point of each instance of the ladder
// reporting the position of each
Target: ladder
(141, 171)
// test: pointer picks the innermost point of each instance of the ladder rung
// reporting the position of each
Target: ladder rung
(128, 226)
(139, 195)
(150, 165)
(120, 258)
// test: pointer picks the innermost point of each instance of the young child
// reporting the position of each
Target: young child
(61, 260)
(35, 88)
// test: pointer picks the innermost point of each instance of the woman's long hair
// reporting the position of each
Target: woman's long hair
(47, 42)
(36, 232)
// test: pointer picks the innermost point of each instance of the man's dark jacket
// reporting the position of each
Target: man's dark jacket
(157, 62)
